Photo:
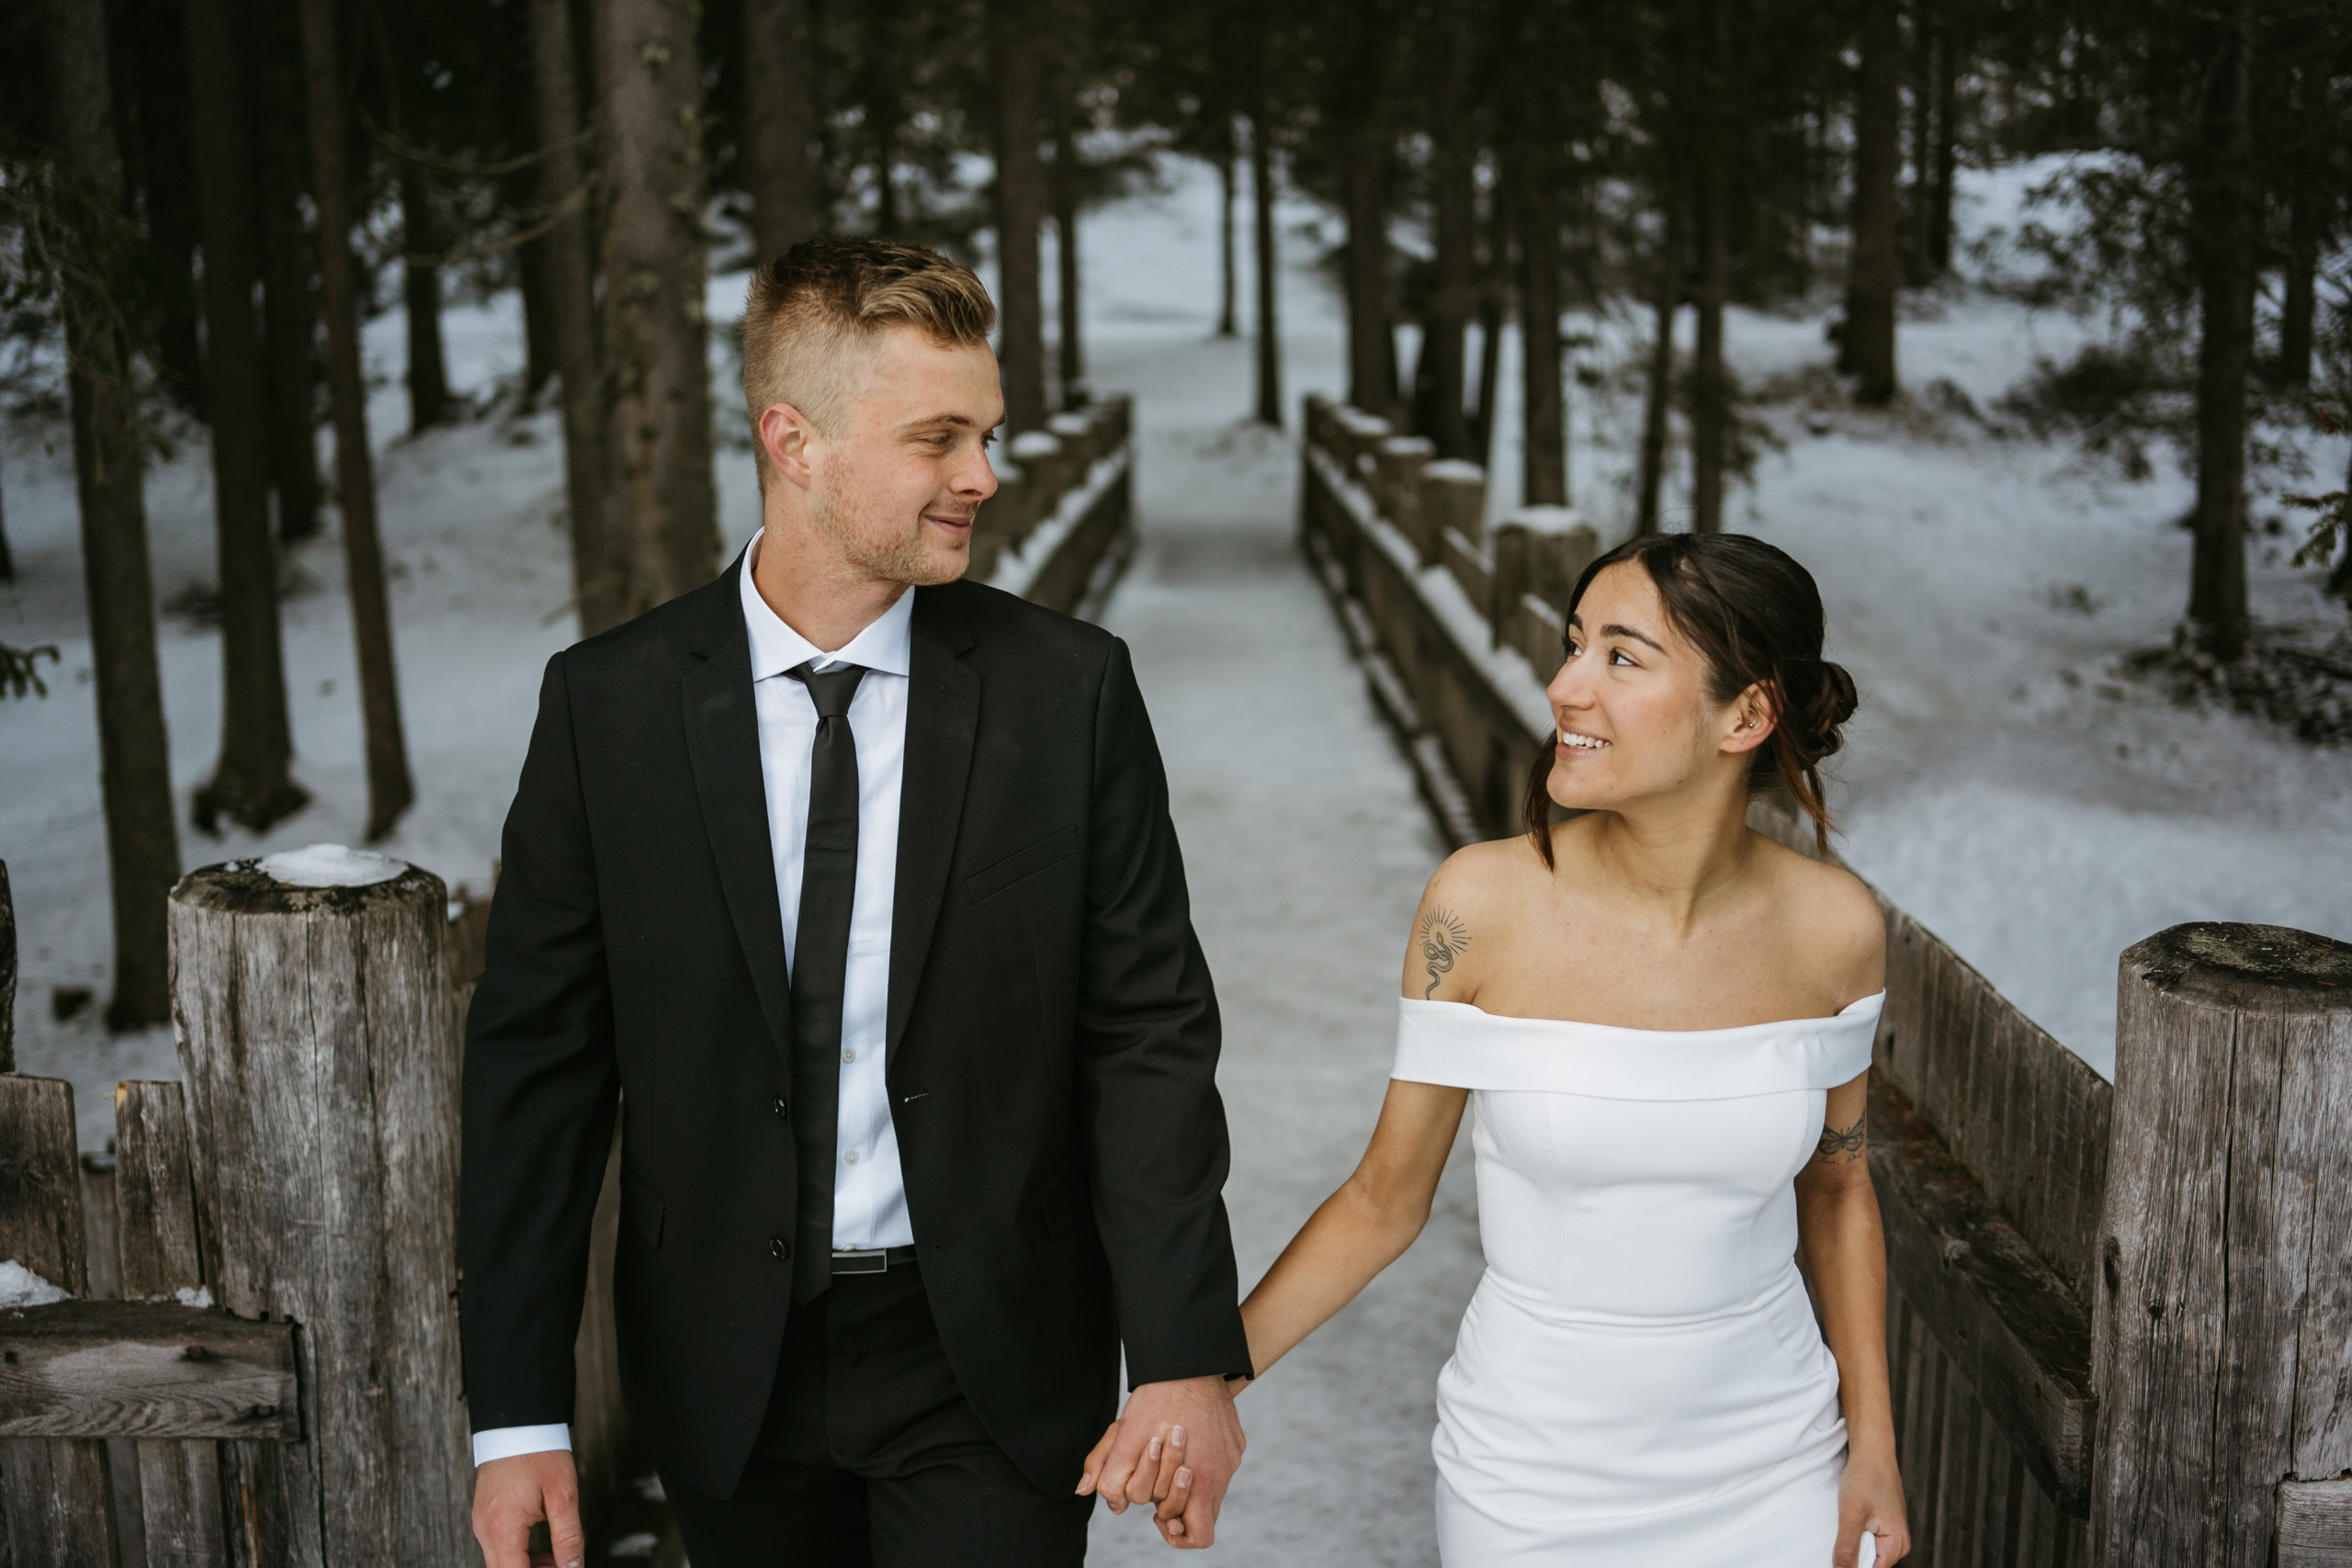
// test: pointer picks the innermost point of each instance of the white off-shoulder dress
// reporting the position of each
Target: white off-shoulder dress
(1639, 1379)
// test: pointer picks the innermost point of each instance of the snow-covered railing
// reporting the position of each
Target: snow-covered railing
(2119, 1315)
(1057, 527)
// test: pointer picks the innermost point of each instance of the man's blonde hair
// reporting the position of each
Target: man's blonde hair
(810, 307)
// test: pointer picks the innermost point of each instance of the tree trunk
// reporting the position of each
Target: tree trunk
(1442, 346)
(1372, 377)
(2307, 205)
(251, 784)
(1494, 292)
(1071, 355)
(885, 110)
(428, 377)
(1919, 197)
(1947, 145)
(1543, 454)
(134, 753)
(2222, 192)
(1020, 212)
(1228, 176)
(289, 315)
(599, 575)
(390, 790)
(779, 127)
(657, 341)
(1710, 385)
(1872, 276)
(539, 329)
(7, 561)
(1261, 210)
(1658, 390)
(155, 39)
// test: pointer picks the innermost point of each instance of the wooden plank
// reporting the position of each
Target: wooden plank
(102, 1263)
(2315, 1523)
(60, 1509)
(1988, 1299)
(144, 1369)
(179, 1481)
(2234, 1078)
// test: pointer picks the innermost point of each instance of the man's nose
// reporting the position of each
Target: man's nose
(975, 477)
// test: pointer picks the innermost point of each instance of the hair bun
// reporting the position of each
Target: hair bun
(1818, 697)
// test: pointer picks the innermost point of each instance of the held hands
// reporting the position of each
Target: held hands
(512, 1494)
(1173, 1448)
(1869, 1498)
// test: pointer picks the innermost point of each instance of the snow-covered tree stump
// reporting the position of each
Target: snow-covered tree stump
(2223, 1329)
(311, 992)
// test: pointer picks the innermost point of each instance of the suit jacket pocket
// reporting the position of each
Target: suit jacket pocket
(641, 1207)
(993, 879)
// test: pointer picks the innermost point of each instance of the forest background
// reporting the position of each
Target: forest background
(221, 222)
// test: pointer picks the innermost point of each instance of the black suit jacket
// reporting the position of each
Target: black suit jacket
(1052, 1047)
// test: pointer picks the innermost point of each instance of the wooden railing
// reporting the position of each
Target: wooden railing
(2119, 1315)
(256, 1359)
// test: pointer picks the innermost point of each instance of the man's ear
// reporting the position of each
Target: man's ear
(1754, 714)
(785, 436)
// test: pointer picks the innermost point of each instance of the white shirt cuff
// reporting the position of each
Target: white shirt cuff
(505, 1442)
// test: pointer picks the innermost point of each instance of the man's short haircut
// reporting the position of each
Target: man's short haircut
(811, 305)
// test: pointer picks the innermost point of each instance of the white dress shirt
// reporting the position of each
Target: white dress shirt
(869, 1191)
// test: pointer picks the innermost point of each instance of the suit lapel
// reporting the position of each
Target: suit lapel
(723, 743)
(943, 719)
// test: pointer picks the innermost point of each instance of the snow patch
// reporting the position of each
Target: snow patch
(1031, 445)
(20, 1287)
(330, 865)
(193, 1295)
(1459, 471)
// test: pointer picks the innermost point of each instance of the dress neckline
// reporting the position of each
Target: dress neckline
(1865, 1005)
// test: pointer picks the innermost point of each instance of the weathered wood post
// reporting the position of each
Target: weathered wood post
(56, 1497)
(2221, 1346)
(310, 995)
(7, 974)
(1399, 460)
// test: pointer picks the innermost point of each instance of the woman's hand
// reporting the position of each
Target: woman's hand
(1869, 1497)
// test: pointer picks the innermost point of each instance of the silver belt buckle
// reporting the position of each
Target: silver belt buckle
(859, 1260)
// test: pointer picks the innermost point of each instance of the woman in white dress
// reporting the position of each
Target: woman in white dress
(1663, 1023)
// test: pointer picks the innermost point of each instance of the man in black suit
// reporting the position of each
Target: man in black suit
(850, 888)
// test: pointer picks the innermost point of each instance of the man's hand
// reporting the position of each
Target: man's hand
(512, 1494)
(1176, 1447)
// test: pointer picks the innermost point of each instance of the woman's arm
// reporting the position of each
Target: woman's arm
(1845, 1252)
(1362, 1227)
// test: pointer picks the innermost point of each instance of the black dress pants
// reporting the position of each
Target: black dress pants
(871, 1458)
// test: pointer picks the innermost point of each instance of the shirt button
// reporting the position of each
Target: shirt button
(849, 1056)
(777, 1247)
(851, 1157)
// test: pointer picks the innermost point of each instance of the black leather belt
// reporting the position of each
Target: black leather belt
(872, 1260)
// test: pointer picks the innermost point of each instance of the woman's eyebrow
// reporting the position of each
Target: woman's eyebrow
(1615, 629)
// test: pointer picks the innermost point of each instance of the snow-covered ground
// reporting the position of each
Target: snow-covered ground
(2002, 785)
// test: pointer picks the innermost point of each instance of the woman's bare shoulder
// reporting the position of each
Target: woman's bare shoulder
(1473, 891)
(1839, 917)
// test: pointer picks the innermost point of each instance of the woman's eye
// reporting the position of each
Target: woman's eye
(1617, 656)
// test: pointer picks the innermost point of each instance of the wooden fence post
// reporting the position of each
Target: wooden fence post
(179, 1479)
(7, 974)
(56, 1499)
(2222, 1347)
(322, 1080)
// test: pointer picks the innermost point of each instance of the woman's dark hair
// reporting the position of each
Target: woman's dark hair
(1755, 615)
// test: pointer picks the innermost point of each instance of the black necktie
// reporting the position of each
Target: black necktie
(820, 962)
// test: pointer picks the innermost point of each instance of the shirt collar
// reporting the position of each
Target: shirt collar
(884, 645)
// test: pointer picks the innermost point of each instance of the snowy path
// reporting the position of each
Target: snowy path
(1306, 848)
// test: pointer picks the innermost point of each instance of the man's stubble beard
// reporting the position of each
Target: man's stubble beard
(903, 558)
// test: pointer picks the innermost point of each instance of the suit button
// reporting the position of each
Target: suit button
(779, 1107)
(778, 1247)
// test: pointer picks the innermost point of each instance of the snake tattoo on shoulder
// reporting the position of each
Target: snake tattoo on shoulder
(1443, 936)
